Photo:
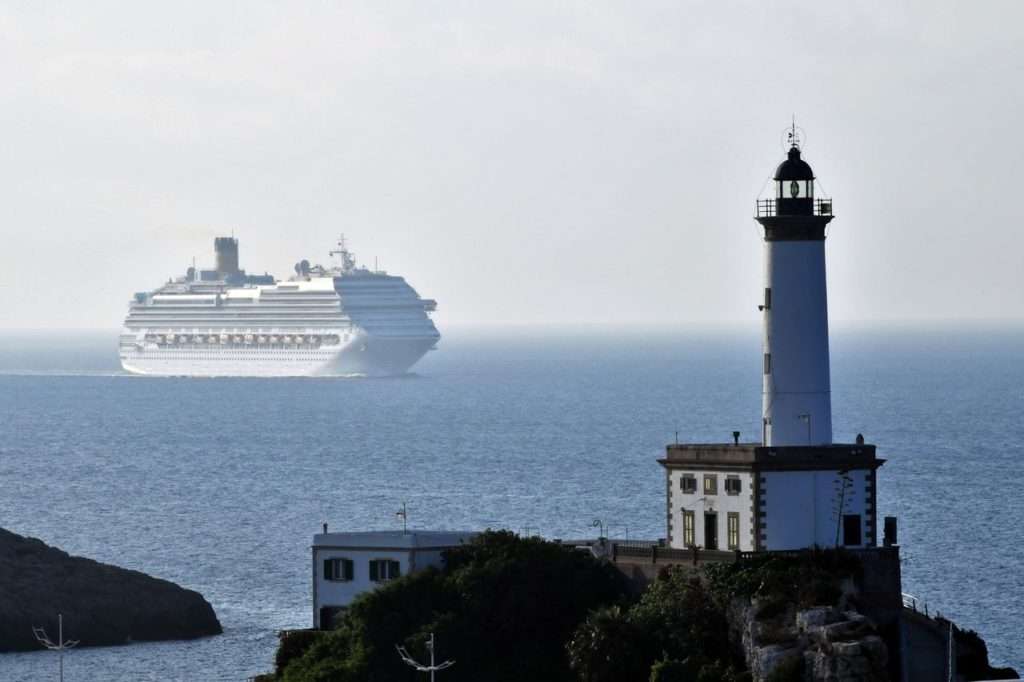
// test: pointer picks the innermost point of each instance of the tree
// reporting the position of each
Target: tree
(609, 647)
(504, 607)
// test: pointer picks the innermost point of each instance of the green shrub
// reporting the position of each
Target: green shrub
(790, 670)
(293, 645)
(503, 608)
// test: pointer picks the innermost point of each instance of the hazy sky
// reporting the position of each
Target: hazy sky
(522, 163)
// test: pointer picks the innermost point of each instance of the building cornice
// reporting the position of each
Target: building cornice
(756, 457)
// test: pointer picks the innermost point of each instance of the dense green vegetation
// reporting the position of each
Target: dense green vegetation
(513, 609)
(676, 632)
(503, 608)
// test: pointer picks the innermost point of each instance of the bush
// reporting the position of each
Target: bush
(806, 579)
(790, 670)
(502, 608)
(609, 647)
(293, 645)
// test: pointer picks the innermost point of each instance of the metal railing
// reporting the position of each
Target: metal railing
(767, 208)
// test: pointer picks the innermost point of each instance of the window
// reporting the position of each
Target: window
(710, 484)
(733, 486)
(734, 530)
(383, 570)
(688, 483)
(688, 539)
(767, 363)
(851, 530)
(338, 569)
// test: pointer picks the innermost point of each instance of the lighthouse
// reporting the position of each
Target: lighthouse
(796, 401)
(794, 487)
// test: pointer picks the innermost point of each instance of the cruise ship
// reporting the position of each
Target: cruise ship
(343, 320)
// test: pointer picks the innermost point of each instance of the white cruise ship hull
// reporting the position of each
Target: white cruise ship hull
(218, 323)
(361, 356)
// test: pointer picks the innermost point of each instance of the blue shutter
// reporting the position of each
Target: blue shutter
(395, 569)
(328, 569)
(348, 569)
(374, 571)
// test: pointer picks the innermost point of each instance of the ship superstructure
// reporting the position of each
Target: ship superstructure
(340, 320)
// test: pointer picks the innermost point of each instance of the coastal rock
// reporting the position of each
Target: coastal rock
(101, 604)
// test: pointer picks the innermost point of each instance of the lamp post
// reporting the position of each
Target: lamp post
(421, 667)
(61, 644)
(598, 523)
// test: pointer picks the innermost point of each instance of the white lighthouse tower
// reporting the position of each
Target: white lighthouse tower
(796, 403)
(794, 488)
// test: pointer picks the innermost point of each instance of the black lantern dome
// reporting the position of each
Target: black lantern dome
(794, 213)
(794, 168)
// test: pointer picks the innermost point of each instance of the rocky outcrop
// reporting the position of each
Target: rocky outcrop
(826, 644)
(101, 604)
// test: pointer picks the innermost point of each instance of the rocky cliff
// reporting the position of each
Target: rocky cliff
(101, 604)
(821, 643)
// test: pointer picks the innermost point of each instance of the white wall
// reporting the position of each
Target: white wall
(801, 507)
(721, 503)
(796, 336)
(341, 593)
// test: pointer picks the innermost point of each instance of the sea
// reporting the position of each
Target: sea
(220, 484)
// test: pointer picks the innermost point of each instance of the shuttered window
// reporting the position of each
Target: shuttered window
(338, 569)
(734, 530)
(688, 539)
(382, 570)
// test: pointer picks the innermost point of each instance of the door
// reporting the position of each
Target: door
(710, 530)
(851, 530)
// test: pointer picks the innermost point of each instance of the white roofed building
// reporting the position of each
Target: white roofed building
(346, 565)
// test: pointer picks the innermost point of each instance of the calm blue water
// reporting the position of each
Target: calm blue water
(219, 484)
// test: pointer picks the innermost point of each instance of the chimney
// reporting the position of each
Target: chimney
(325, 529)
(226, 249)
(735, 437)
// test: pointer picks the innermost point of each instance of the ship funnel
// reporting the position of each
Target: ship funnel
(226, 249)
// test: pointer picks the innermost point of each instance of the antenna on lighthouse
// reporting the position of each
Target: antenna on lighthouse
(793, 136)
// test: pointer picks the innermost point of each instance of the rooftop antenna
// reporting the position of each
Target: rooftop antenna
(348, 261)
(423, 668)
(61, 644)
(404, 513)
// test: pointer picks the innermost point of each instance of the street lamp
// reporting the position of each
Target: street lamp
(432, 668)
(61, 644)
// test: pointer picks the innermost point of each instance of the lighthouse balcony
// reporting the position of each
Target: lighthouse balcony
(769, 208)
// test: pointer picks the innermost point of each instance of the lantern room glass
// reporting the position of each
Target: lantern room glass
(795, 189)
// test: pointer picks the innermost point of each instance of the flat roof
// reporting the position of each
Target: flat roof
(396, 539)
(757, 456)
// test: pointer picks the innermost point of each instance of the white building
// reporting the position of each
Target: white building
(796, 488)
(347, 564)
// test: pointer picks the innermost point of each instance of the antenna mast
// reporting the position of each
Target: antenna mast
(348, 259)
